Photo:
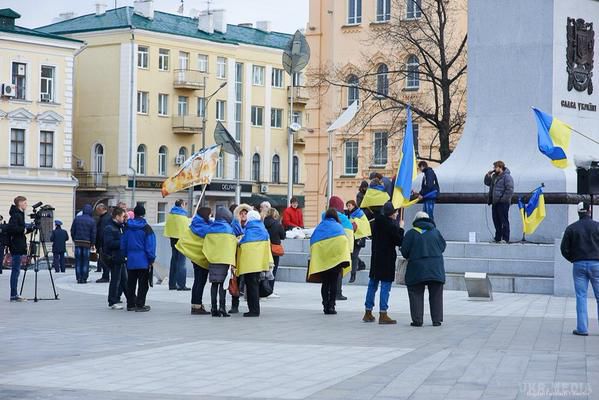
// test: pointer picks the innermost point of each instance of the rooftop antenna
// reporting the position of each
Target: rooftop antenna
(208, 2)
(181, 7)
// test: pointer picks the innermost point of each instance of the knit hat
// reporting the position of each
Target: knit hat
(139, 211)
(224, 214)
(254, 216)
(204, 212)
(336, 203)
(389, 209)
(421, 215)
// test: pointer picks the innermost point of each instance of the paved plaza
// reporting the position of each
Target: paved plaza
(517, 347)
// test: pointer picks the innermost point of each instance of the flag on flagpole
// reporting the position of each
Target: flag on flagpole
(533, 212)
(553, 138)
(407, 170)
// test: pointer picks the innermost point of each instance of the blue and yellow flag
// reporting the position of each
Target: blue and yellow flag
(533, 212)
(220, 244)
(328, 247)
(254, 254)
(347, 227)
(375, 196)
(553, 138)
(176, 223)
(363, 225)
(407, 170)
(191, 243)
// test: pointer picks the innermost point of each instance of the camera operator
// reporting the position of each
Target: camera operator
(17, 243)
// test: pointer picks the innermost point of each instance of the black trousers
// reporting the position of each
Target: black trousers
(435, 299)
(103, 266)
(137, 286)
(218, 296)
(501, 221)
(200, 277)
(252, 291)
(328, 290)
(276, 260)
(355, 257)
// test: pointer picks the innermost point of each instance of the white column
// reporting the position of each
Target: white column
(127, 108)
(246, 141)
(67, 139)
(230, 89)
(267, 129)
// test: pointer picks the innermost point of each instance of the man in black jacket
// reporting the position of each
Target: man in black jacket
(580, 246)
(104, 219)
(114, 259)
(59, 239)
(17, 243)
(429, 190)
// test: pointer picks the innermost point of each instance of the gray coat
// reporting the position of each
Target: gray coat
(501, 187)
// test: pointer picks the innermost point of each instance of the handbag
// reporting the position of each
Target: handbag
(233, 286)
(400, 274)
(93, 256)
(151, 275)
(7, 260)
(265, 288)
(277, 250)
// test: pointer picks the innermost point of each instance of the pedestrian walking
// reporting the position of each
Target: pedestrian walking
(501, 189)
(114, 259)
(17, 243)
(277, 235)
(59, 239)
(176, 224)
(83, 233)
(429, 189)
(104, 218)
(423, 247)
(580, 246)
(359, 219)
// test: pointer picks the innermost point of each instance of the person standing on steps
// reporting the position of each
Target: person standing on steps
(59, 239)
(358, 218)
(114, 259)
(176, 224)
(104, 219)
(501, 189)
(386, 236)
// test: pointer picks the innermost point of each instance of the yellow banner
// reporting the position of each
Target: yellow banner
(197, 170)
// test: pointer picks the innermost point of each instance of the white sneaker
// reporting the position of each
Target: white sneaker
(116, 307)
(274, 296)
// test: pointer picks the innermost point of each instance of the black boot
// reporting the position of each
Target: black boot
(215, 312)
(352, 277)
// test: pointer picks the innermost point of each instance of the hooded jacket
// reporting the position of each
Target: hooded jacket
(83, 229)
(138, 244)
(423, 247)
(501, 187)
(17, 242)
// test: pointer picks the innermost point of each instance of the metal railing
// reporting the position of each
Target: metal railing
(92, 180)
(187, 124)
(188, 79)
(300, 94)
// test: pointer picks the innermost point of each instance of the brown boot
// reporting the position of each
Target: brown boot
(198, 309)
(368, 317)
(385, 320)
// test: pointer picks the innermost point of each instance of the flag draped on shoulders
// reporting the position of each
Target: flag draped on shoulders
(176, 223)
(220, 243)
(375, 196)
(328, 247)
(363, 225)
(254, 254)
(191, 243)
(533, 212)
(553, 138)
(407, 170)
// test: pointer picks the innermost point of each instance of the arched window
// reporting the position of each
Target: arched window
(183, 153)
(98, 167)
(413, 78)
(353, 93)
(295, 170)
(276, 169)
(256, 167)
(141, 159)
(162, 156)
(382, 80)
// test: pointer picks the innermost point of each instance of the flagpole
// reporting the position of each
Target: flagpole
(584, 136)
(199, 200)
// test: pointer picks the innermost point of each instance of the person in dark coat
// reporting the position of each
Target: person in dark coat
(104, 218)
(423, 247)
(429, 189)
(17, 243)
(277, 234)
(114, 258)
(59, 239)
(501, 189)
(386, 236)
(361, 192)
(3, 240)
(83, 233)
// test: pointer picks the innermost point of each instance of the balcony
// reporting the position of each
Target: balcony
(299, 138)
(187, 124)
(188, 79)
(92, 180)
(300, 94)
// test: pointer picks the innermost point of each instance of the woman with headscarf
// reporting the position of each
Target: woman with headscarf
(360, 220)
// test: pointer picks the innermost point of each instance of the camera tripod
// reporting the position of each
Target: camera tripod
(36, 241)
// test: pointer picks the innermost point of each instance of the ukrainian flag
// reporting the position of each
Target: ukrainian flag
(407, 170)
(176, 223)
(553, 138)
(375, 196)
(359, 218)
(254, 253)
(220, 244)
(533, 213)
(191, 243)
(347, 227)
(328, 247)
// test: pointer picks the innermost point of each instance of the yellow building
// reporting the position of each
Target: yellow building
(146, 83)
(36, 107)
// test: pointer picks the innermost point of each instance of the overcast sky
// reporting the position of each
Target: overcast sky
(286, 15)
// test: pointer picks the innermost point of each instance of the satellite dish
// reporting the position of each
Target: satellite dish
(295, 127)
(224, 138)
(296, 54)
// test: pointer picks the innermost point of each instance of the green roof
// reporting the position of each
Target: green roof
(7, 13)
(125, 17)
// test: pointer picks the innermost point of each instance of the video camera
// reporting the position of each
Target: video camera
(43, 219)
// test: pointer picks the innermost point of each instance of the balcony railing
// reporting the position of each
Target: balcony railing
(299, 138)
(187, 124)
(189, 79)
(92, 180)
(300, 94)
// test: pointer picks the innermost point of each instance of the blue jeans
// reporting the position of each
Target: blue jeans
(15, 270)
(118, 283)
(428, 206)
(58, 262)
(177, 275)
(583, 272)
(81, 263)
(373, 286)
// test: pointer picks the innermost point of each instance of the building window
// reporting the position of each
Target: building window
(354, 12)
(163, 59)
(202, 63)
(256, 167)
(295, 170)
(46, 149)
(161, 213)
(415, 131)
(221, 68)
(17, 147)
(220, 166)
(276, 117)
(236, 166)
(142, 102)
(238, 100)
(182, 106)
(47, 84)
(297, 117)
(201, 107)
(143, 57)
(257, 116)
(353, 93)
(98, 167)
(162, 157)
(383, 10)
(414, 9)
(221, 106)
(183, 60)
(413, 76)
(141, 159)
(162, 104)
(380, 148)
(19, 79)
(297, 79)
(258, 75)
(351, 157)
(276, 169)
(382, 80)
(183, 153)
(277, 78)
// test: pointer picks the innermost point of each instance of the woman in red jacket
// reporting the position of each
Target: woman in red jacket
(292, 216)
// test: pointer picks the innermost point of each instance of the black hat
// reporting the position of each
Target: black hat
(139, 211)
(389, 209)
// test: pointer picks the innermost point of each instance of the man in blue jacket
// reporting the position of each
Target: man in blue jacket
(429, 190)
(114, 258)
(138, 244)
(83, 233)
(59, 239)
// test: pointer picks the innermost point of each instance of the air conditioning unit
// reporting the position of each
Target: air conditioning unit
(179, 160)
(80, 164)
(263, 188)
(9, 90)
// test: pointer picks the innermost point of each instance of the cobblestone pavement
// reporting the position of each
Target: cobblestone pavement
(516, 347)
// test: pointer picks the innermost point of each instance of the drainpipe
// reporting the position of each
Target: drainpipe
(134, 185)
